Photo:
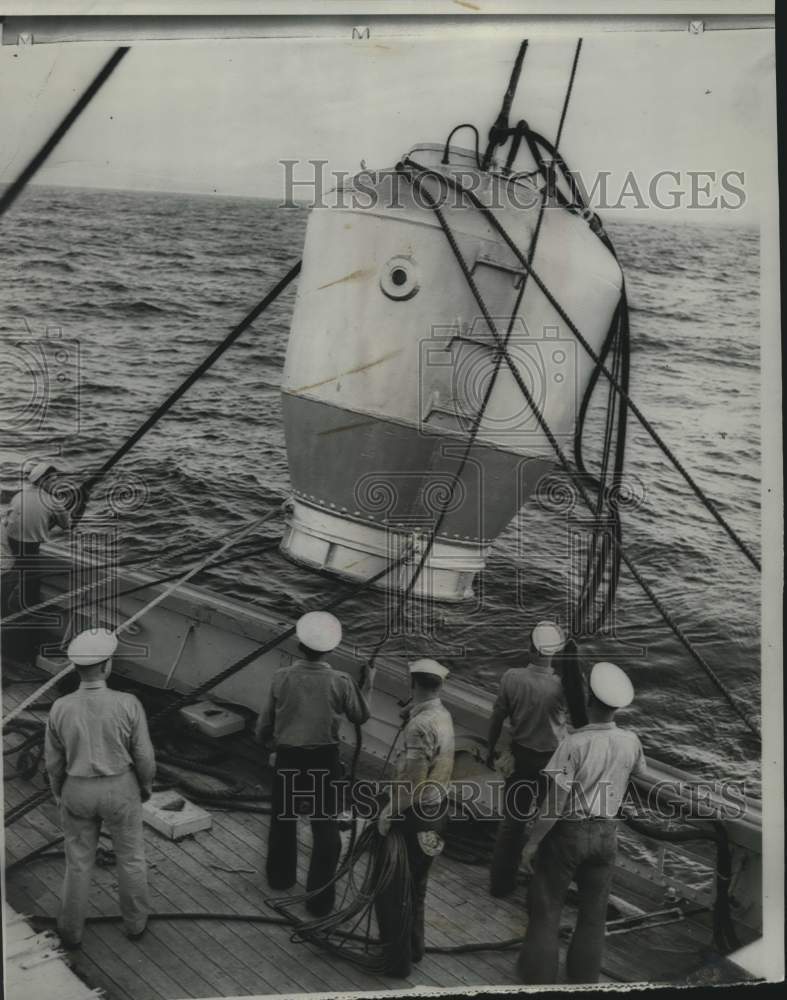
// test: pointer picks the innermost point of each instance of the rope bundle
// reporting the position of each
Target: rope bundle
(375, 864)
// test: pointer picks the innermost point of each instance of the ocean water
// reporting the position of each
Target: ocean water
(135, 288)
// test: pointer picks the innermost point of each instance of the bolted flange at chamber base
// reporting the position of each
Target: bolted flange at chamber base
(356, 551)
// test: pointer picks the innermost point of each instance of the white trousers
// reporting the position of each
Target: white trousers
(85, 804)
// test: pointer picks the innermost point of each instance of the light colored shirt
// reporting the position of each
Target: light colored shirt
(305, 705)
(425, 763)
(532, 699)
(32, 513)
(595, 764)
(96, 732)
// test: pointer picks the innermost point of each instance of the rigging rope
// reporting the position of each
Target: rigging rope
(573, 475)
(186, 384)
(706, 501)
(569, 90)
(269, 644)
(123, 564)
(724, 934)
(16, 188)
(154, 581)
(234, 536)
(499, 131)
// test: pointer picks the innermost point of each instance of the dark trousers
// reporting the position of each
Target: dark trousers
(406, 945)
(304, 783)
(21, 589)
(27, 570)
(522, 794)
(574, 850)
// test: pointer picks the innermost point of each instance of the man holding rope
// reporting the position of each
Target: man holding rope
(417, 807)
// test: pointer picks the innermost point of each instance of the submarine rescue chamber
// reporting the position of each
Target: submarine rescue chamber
(398, 420)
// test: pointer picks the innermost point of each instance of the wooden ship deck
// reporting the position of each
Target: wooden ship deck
(221, 871)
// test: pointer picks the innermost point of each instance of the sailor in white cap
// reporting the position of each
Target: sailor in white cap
(300, 718)
(531, 697)
(575, 833)
(100, 763)
(33, 514)
(417, 806)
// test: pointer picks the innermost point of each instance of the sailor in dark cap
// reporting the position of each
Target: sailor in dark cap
(574, 837)
(100, 763)
(417, 807)
(532, 698)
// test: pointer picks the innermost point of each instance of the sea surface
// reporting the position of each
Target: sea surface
(135, 288)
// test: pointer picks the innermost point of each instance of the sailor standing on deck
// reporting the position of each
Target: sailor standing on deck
(301, 715)
(575, 834)
(532, 699)
(417, 807)
(100, 763)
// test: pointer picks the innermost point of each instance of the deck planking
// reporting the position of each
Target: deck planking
(220, 958)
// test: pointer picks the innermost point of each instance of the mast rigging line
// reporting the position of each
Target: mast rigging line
(145, 560)
(257, 652)
(704, 499)
(572, 473)
(186, 384)
(233, 537)
(16, 188)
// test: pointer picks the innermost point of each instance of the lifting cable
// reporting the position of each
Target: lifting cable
(496, 132)
(500, 131)
(601, 553)
(417, 180)
(16, 188)
(705, 500)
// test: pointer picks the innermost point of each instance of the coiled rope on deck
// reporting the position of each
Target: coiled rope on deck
(375, 864)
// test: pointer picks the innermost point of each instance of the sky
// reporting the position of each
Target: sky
(218, 116)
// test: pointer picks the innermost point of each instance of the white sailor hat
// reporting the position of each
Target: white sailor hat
(429, 667)
(92, 647)
(548, 638)
(39, 470)
(611, 685)
(319, 630)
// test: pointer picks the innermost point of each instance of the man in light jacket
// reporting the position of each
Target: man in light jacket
(100, 764)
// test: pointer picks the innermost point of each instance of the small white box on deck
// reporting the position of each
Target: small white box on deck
(212, 720)
(174, 816)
